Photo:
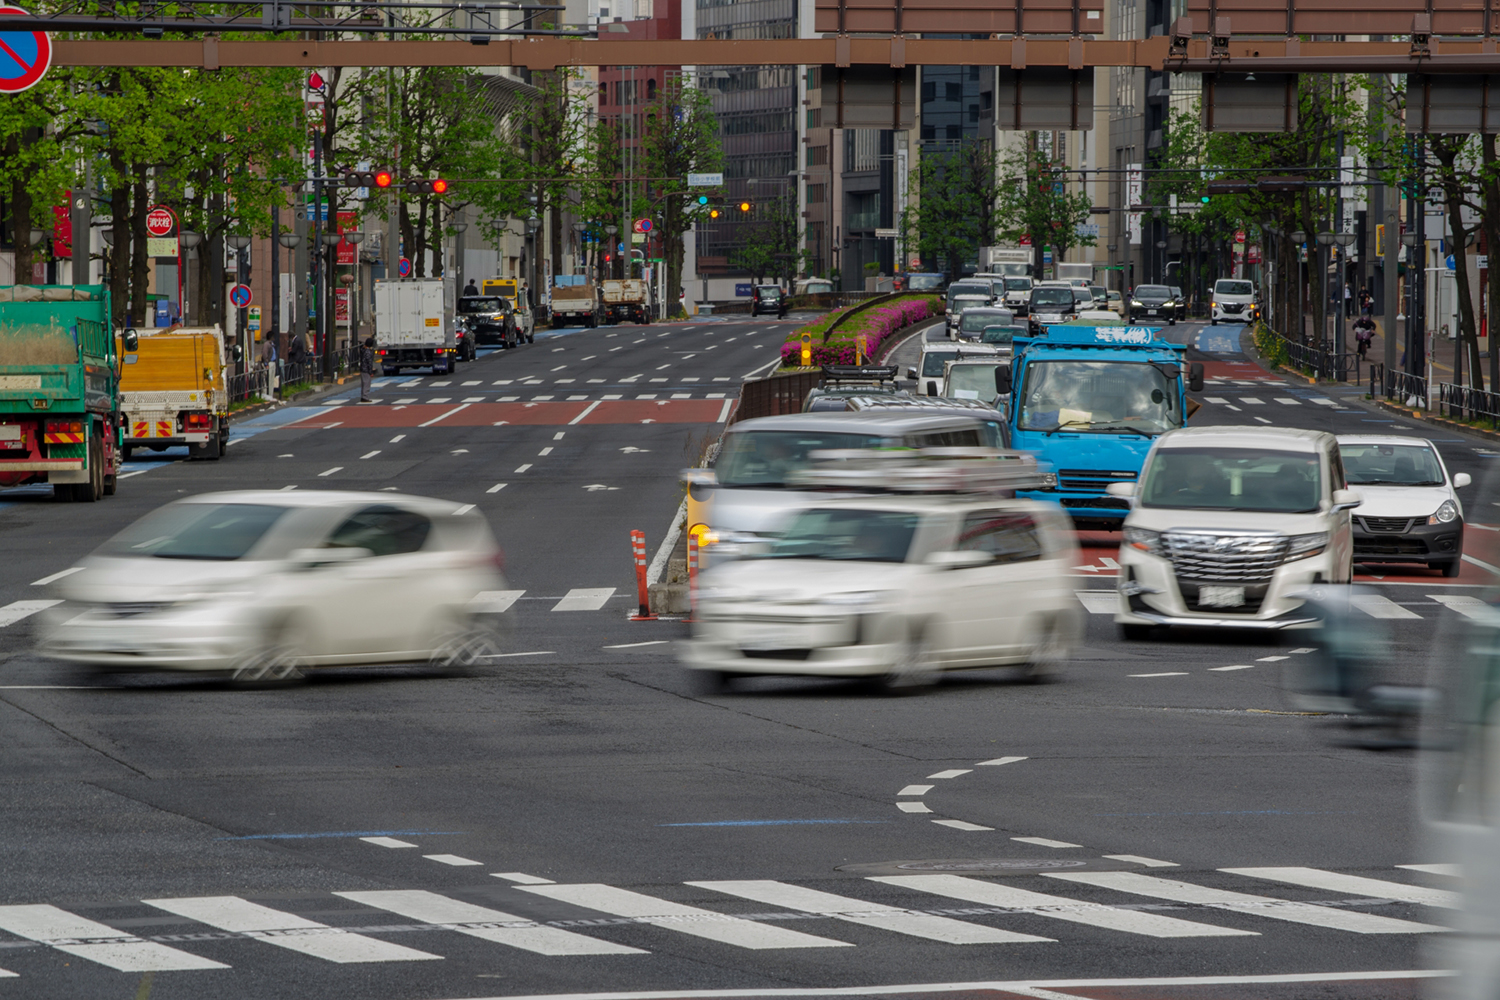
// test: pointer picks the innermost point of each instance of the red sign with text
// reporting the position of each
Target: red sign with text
(348, 252)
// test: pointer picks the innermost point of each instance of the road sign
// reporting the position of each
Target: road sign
(705, 180)
(24, 55)
(160, 222)
(1239, 236)
(886, 234)
(642, 226)
(1449, 263)
(403, 267)
(240, 296)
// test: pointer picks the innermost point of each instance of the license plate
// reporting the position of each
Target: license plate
(10, 432)
(1221, 597)
(1150, 312)
(758, 637)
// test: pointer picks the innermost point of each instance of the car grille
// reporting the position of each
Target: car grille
(1387, 525)
(1232, 307)
(1103, 503)
(1226, 558)
(1090, 479)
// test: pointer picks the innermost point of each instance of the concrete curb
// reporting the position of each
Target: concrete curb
(305, 396)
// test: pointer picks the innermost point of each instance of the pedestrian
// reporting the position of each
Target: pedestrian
(366, 369)
(471, 288)
(1348, 301)
(1366, 300)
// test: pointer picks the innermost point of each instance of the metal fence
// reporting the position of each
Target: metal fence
(1398, 385)
(258, 381)
(767, 397)
(1459, 402)
(270, 381)
(1323, 362)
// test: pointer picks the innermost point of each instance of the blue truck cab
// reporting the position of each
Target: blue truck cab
(1088, 402)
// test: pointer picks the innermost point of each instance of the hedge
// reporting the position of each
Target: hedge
(877, 324)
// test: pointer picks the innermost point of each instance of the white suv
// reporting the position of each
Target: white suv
(1233, 301)
(1229, 525)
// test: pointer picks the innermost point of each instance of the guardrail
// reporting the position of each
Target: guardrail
(1397, 384)
(1323, 362)
(784, 393)
(1459, 402)
(259, 381)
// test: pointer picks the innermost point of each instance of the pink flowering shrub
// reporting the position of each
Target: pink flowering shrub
(876, 324)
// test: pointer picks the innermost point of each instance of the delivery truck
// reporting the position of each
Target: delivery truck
(172, 390)
(414, 325)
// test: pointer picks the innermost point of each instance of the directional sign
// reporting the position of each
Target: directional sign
(403, 267)
(24, 55)
(240, 296)
(705, 180)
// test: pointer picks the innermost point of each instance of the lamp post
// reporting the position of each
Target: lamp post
(190, 240)
(327, 260)
(459, 228)
(1299, 240)
(356, 305)
(240, 244)
(532, 225)
(288, 240)
(610, 232)
(578, 228)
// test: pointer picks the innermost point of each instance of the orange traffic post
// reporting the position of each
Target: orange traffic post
(692, 546)
(638, 548)
(807, 350)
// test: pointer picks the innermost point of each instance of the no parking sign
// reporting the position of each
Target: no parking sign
(24, 55)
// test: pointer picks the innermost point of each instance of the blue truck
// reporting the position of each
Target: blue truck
(1088, 402)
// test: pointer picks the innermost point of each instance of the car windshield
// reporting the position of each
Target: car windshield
(1098, 397)
(924, 282)
(973, 382)
(967, 288)
(768, 292)
(850, 535)
(975, 320)
(1227, 287)
(764, 459)
(1056, 299)
(1017, 284)
(480, 304)
(1001, 334)
(933, 362)
(1152, 292)
(208, 531)
(1255, 479)
(1391, 465)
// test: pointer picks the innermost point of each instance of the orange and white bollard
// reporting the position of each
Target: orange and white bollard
(692, 547)
(638, 548)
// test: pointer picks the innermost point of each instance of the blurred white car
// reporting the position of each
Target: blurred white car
(1230, 526)
(896, 588)
(260, 585)
(1411, 511)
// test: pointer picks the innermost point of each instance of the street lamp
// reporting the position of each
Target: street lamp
(37, 235)
(610, 231)
(532, 225)
(289, 240)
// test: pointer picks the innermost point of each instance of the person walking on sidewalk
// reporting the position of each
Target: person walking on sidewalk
(366, 369)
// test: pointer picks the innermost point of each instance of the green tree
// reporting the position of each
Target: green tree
(681, 136)
(1038, 204)
(772, 242)
(955, 205)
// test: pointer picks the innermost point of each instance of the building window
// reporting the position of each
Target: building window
(817, 156)
(864, 210)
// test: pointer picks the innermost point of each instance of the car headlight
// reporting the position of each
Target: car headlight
(1214, 305)
(1135, 304)
(1446, 513)
(1302, 546)
(1144, 539)
(1167, 304)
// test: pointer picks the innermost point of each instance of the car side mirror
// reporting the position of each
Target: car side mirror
(967, 559)
(911, 373)
(1195, 376)
(132, 341)
(1125, 490)
(699, 477)
(1460, 480)
(1002, 380)
(312, 558)
(1346, 499)
(238, 353)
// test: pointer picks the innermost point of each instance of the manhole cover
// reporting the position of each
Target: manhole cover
(1004, 864)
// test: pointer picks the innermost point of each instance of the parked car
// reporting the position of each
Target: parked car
(1152, 302)
(487, 319)
(1229, 526)
(1411, 511)
(261, 585)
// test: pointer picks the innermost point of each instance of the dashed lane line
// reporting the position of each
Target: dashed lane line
(54, 577)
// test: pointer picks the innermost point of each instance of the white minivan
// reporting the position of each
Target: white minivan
(1229, 526)
(1233, 301)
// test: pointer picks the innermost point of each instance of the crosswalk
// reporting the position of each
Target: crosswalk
(533, 396)
(1105, 602)
(935, 908)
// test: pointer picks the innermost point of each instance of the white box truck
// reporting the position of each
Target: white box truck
(414, 325)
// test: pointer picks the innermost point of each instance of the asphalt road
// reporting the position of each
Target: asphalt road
(578, 820)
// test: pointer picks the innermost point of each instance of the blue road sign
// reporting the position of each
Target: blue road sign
(240, 296)
(24, 56)
(403, 267)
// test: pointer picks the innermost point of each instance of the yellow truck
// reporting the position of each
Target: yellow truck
(519, 297)
(172, 391)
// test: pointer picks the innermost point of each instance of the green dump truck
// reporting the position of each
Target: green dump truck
(59, 390)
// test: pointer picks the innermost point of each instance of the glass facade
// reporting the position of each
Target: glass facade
(950, 104)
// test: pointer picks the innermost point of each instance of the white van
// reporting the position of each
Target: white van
(1233, 301)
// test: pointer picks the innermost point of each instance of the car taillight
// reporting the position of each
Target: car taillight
(198, 420)
(65, 427)
(381, 352)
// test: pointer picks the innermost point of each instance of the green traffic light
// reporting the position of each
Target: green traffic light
(703, 199)
(1204, 199)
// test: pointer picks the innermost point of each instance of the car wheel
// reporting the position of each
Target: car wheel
(914, 668)
(461, 649)
(1049, 654)
(531, 338)
(1451, 568)
(1134, 632)
(1213, 322)
(275, 665)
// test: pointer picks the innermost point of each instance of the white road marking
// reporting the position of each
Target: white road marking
(587, 410)
(496, 488)
(714, 395)
(912, 807)
(329, 472)
(503, 381)
(545, 451)
(452, 859)
(494, 601)
(127, 475)
(284, 489)
(1236, 666)
(1075, 911)
(1044, 842)
(445, 416)
(441, 399)
(724, 378)
(534, 652)
(1252, 401)
(559, 435)
(1324, 400)
(951, 773)
(1354, 885)
(56, 576)
(959, 824)
(1240, 902)
(1236, 409)
(649, 395)
(682, 395)
(1452, 871)
(1164, 673)
(1469, 607)
(916, 789)
(445, 382)
(1304, 649)
(473, 399)
(475, 382)
(405, 402)
(1381, 607)
(1001, 760)
(431, 908)
(857, 911)
(1099, 602)
(667, 365)
(1137, 859)
(541, 398)
(370, 454)
(463, 509)
(685, 919)
(584, 599)
(398, 437)
(522, 878)
(122, 952)
(240, 916)
(1271, 659)
(1288, 401)
(724, 411)
(522, 468)
(386, 842)
(559, 367)
(636, 645)
(1216, 399)
(611, 396)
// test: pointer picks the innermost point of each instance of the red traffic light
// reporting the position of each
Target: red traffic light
(383, 178)
(440, 186)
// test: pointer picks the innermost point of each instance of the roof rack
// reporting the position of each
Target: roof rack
(859, 373)
(923, 470)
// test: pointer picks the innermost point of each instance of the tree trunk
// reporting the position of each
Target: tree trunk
(1447, 155)
(20, 219)
(119, 251)
(139, 262)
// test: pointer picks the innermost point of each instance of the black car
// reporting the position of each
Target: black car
(487, 319)
(1149, 302)
(767, 299)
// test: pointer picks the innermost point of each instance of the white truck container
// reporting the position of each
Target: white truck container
(1073, 272)
(1013, 262)
(414, 325)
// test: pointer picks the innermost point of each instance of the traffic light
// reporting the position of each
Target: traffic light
(703, 199)
(383, 178)
(367, 178)
(1380, 240)
(438, 186)
(745, 207)
(713, 213)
